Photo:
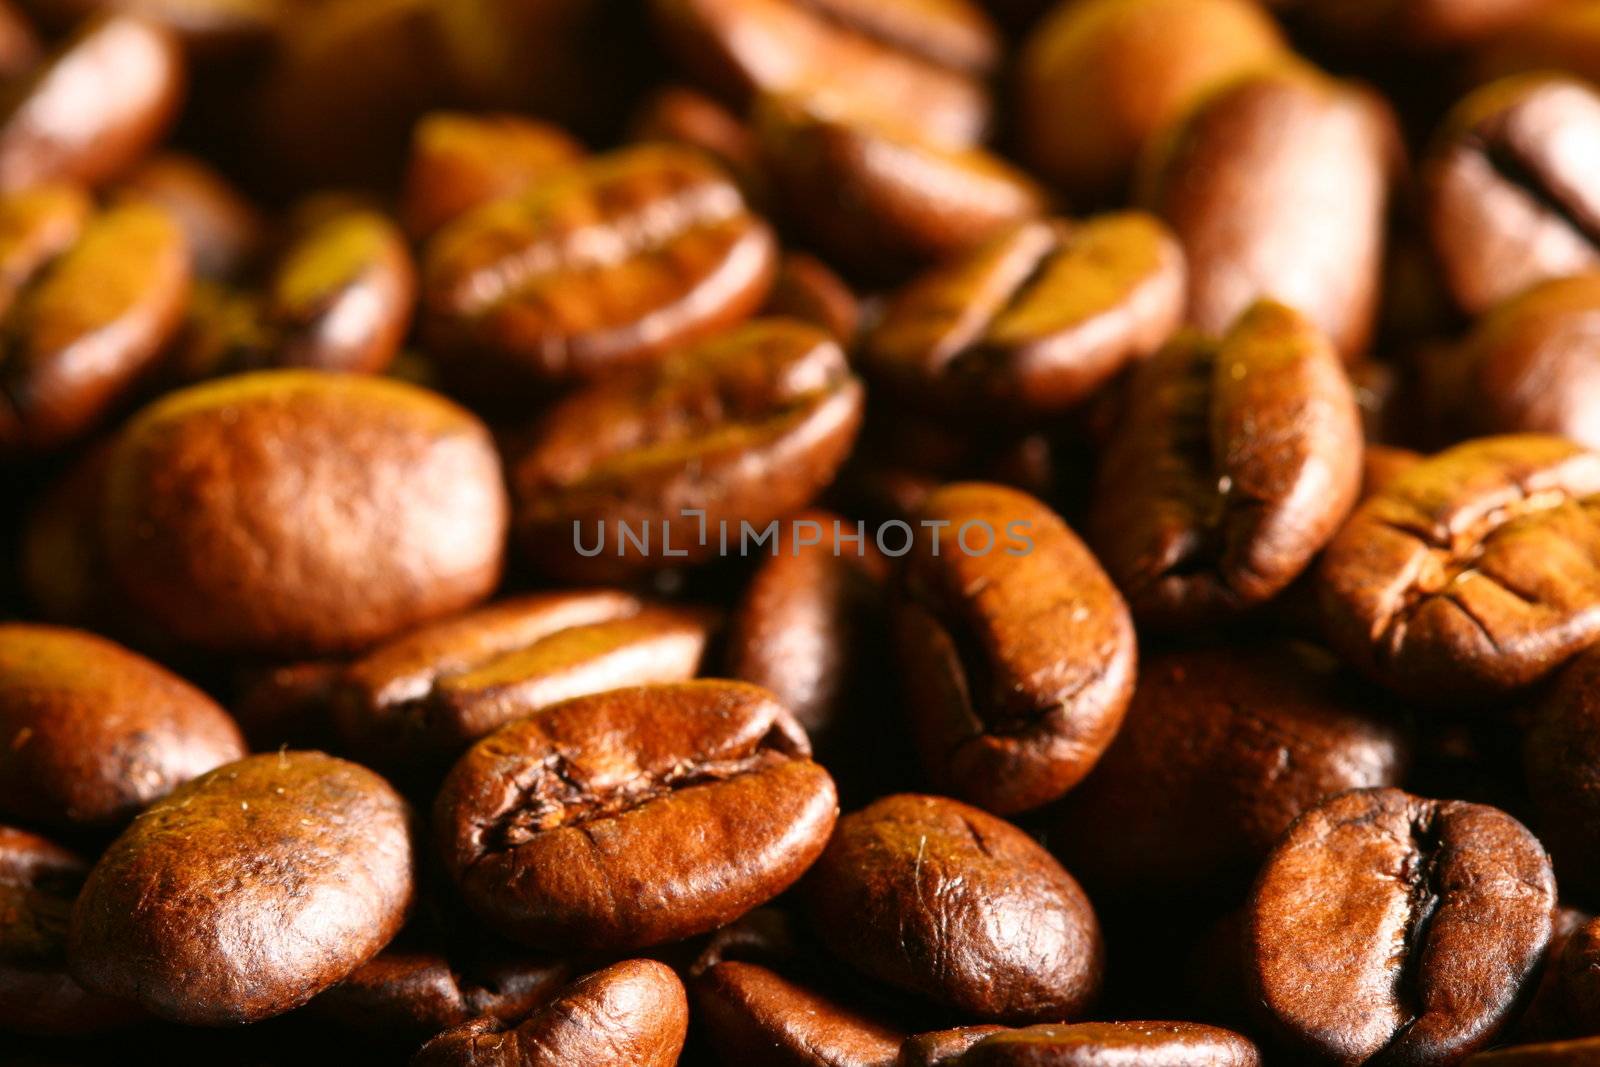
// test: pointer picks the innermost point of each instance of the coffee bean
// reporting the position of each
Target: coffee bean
(246, 892)
(424, 697)
(680, 115)
(1510, 199)
(1559, 756)
(806, 289)
(90, 732)
(604, 265)
(753, 1014)
(1136, 1044)
(1221, 750)
(633, 1013)
(224, 230)
(1276, 185)
(1016, 652)
(1471, 576)
(942, 1048)
(746, 429)
(1438, 24)
(1577, 967)
(1035, 320)
(943, 900)
(1577, 1053)
(295, 512)
(1389, 927)
(634, 817)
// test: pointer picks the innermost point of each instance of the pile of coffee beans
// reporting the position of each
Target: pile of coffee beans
(800, 533)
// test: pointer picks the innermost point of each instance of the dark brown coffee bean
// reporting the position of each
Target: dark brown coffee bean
(1583, 1052)
(1430, 24)
(1233, 463)
(287, 705)
(631, 1014)
(462, 161)
(1133, 1044)
(806, 289)
(402, 995)
(424, 697)
(1577, 967)
(38, 882)
(292, 512)
(1389, 928)
(88, 301)
(924, 61)
(606, 264)
(946, 901)
(90, 111)
(1035, 320)
(1099, 80)
(746, 428)
(634, 817)
(1016, 651)
(224, 231)
(1561, 761)
(679, 115)
(1510, 197)
(90, 733)
(1561, 39)
(246, 892)
(942, 1048)
(874, 194)
(211, 29)
(1548, 1015)
(1472, 575)
(1221, 750)
(753, 1014)
(1276, 185)
(20, 47)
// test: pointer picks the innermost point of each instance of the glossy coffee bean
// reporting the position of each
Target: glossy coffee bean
(1431, 24)
(90, 732)
(413, 995)
(38, 882)
(224, 230)
(946, 901)
(211, 29)
(93, 108)
(875, 195)
(924, 61)
(1233, 463)
(89, 299)
(424, 697)
(1510, 198)
(1563, 38)
(1221, 750)
(1579, 1052)
(1559, 761)
(1386, 927)
(1035, 320)
(460, 161)
(746, 428)
(1136, 1044)
(1016, 652)
(1577, 968)
(631, 1014)
(942, 1048)
(807, 289)
(1471, 576)
(754, 1014)
(634, 817)
(680, 115)
(1276, 185)
(607, 264)
(246, 892)
(1100, 80)
(292, 512)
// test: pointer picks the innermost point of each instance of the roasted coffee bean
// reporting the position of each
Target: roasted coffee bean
(1382, 465)
(90, 732)
(1431, 24)
(1221, 750)
(424, 697)
(1100, 80)
(634, 817)
(874, 194)
(938, 898)
(402, 995)
(1389, 928)
(631, 1014)
(87, 302)
(807, 290)
(607, 264)
(1561, 760)
(1548, 1015)
(292, 512)
(224, 231)
(1529, 366)
(1581, 1052)
(1563, 38)
(1233, 463)
(942, 1048)
(93, 108)
(1577, 967)
(680, 115)
(1473, 574)
(246, 892)
(38, 882)
(461, 161)
(1511, 199)
(922, 60)
(1035, 320)
(1132, 1043)
(1017, 653)
(1276, 184)
(659, 467)
(208, 28)
(287, 705)
(753, 1014)
(20, 47)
